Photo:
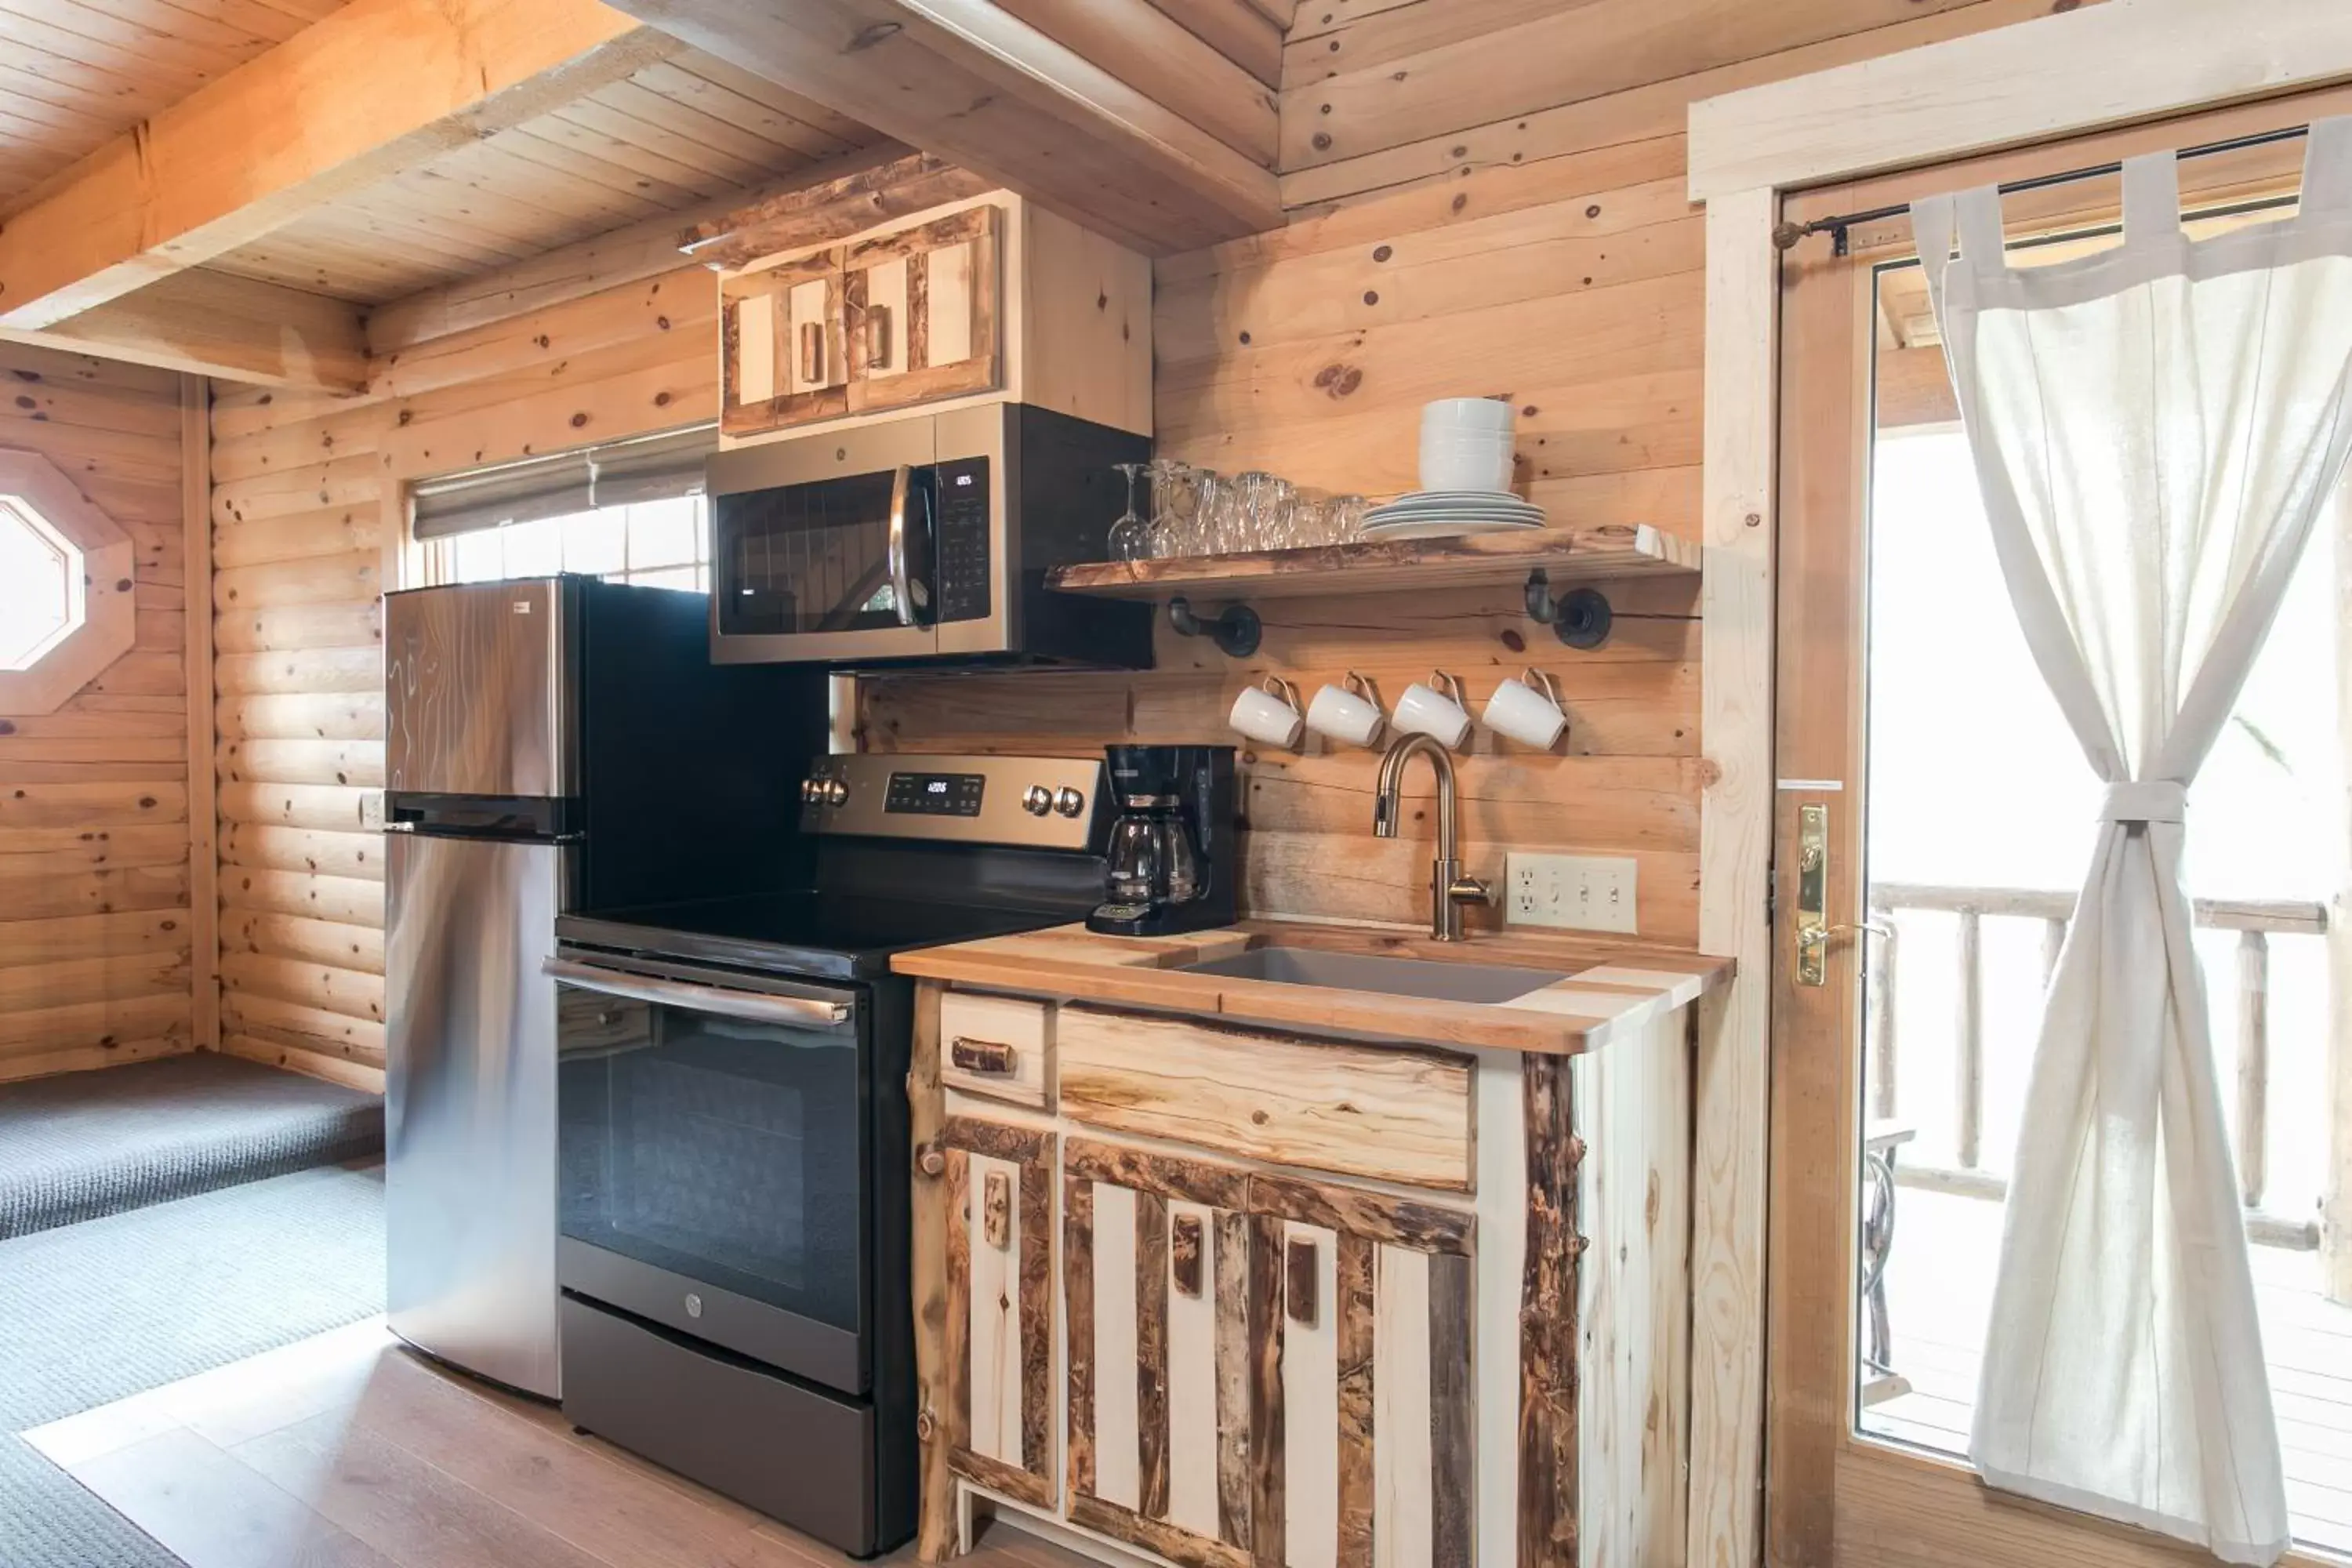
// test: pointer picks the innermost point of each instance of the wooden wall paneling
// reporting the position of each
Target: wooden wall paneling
(99, 929)
(1235, 29)
(1407, 74)
(196, 634)
(1523, 143)
(1158, 55)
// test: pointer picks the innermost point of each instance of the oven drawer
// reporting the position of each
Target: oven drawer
(1399, 1113)
(1000, 1046)
(792, 1452)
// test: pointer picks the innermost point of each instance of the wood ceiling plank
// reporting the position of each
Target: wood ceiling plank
(783, 99)
(132, 21)
(95, 39)
(379, 87)
(564, 198)
(691, 121)
(745, 110)
(600, 169)
(1154, 54)
(629, 157)
(976, 84)
(685, 151)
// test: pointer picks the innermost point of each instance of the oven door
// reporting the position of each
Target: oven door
(715, 1136)
(824, 549)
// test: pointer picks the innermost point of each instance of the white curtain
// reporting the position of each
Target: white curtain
(2155, 429)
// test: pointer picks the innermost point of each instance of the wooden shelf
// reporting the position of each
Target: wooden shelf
(1565, 555)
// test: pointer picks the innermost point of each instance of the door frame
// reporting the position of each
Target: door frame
(2042, 81)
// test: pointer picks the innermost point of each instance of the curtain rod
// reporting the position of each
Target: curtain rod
(1786, 235)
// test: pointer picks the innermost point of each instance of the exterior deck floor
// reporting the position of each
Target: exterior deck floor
(1939, 1295)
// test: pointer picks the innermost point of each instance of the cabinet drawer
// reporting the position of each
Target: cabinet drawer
(1398, 1113)
(1001, 1047)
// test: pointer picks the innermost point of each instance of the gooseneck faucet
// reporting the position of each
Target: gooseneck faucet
(1449, 890)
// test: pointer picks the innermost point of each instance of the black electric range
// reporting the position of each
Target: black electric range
(733, 1133)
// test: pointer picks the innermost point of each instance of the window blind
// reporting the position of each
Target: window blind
(647, 468)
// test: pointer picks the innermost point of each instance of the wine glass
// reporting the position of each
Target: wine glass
(1130, 536)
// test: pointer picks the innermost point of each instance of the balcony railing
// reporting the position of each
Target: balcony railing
(2256, 921)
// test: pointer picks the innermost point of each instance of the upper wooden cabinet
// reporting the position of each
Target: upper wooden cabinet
(979, 299)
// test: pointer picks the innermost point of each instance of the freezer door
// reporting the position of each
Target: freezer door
(478, 689)
(469, 1126)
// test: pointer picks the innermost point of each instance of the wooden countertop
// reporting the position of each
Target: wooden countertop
(1612, 989)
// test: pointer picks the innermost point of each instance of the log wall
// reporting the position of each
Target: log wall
(305, 507)
(1518, 227)
(1486, 199)
(94, 864)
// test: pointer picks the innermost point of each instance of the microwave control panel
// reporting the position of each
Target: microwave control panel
(961, 522)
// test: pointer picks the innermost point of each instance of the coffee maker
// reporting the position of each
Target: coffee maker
(1173, 864)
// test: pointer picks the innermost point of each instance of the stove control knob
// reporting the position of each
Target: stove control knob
(1069, 802)
(812, 791)
(1037, 800)
(835, 793)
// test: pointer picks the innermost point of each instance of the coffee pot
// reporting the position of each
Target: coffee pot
(1173, 862)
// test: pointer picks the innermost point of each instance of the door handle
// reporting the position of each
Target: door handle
(756, 1006)
(1813, 927)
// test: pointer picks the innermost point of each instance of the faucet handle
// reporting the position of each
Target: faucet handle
(1473, 890)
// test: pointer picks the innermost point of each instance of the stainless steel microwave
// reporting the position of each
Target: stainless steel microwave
(922, 540)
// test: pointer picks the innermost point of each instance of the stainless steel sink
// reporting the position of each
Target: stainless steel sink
(1388, 976)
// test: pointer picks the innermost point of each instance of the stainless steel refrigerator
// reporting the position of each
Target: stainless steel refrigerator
(552, 744)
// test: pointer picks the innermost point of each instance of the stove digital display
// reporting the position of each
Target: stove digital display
(934, 794)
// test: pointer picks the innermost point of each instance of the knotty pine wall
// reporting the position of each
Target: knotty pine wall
(306, 496)
(94, 865)
(1487, 198)
(1544, 250)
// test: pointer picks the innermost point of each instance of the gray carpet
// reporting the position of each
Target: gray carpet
(79, 1145)
(91, 1313)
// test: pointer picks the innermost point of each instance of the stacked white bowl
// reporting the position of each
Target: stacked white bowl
(1466, 445)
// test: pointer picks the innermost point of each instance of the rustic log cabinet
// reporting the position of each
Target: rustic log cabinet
(977, 299)
(1156, 1314)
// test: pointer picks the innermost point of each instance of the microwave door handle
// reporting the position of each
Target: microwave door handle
(902, 588)
(757, 1007)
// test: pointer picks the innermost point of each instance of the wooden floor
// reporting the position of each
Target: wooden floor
(347, 1451)
(1939, 1295)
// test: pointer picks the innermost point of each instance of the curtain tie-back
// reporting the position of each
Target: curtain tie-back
(2143, 800)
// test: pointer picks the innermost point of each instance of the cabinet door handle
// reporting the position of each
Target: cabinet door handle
(1299, 1273)
(878, 337)
(996, 1210)
(991, 1057)
(813, 353)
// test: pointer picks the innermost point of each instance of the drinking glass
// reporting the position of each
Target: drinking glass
(1130, 536)
(1263, 517)
(1176, 497)
(1343, 518)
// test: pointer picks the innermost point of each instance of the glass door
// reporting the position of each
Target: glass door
(716, 1151)
(1933, 822)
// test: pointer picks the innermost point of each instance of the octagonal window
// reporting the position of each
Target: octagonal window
(41, 599)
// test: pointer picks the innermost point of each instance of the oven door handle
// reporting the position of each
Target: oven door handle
(756, 1005)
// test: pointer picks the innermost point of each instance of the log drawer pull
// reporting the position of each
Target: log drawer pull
(991, 1057)
(878, 337)
(813, 353)
(1300, 1270)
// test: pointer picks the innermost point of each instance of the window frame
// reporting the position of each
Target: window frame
(108, 624)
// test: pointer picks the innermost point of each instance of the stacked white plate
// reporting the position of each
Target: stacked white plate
(1449, 514)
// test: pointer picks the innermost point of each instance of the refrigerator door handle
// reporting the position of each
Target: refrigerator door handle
(756, 1006)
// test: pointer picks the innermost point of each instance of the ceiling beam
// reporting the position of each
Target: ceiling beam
(972, 84)
(210, 323)
(374, 89)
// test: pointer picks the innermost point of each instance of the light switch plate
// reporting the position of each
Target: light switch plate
(1576, 893)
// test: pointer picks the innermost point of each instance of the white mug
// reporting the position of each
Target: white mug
(1465, 461)
(1528, 709)
(1269, 714)
(1348, 714)
(1424, 711)
(1467, 414)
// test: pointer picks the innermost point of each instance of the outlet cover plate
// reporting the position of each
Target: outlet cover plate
(1573, 892)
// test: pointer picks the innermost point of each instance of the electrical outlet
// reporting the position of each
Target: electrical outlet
(1579, 892)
